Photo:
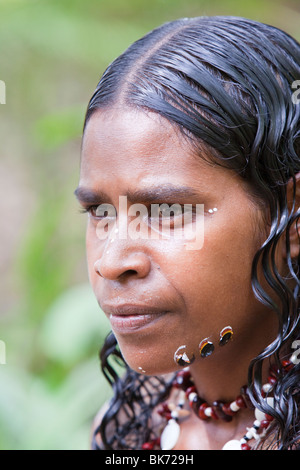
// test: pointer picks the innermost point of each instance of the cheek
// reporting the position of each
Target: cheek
(216, 280)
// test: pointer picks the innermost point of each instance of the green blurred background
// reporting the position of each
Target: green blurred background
(52, 55)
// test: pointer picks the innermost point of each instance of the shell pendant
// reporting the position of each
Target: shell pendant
(170, 435)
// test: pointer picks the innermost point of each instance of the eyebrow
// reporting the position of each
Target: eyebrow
(154, 194)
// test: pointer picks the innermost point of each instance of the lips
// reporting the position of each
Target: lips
(128, 318)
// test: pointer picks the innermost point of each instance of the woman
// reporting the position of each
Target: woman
(196, 129)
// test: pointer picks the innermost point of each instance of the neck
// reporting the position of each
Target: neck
(221, 375)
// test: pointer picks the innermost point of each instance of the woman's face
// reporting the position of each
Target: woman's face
(167, 293)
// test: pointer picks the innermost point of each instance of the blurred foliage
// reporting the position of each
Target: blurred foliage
(52, 55)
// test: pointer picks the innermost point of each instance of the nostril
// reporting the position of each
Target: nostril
(129, 273)
(133, 265)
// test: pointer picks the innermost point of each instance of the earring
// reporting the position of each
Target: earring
(206, 348)
(225, 335)
(182, 359)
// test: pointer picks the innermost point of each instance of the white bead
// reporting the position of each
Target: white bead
(232, 445)
(249, 434)
(259, 415)
(270, 401)
(174, 414)
(267, 387)
(256, 423)
(294, 358)
(234, 406)
(192, 395)
(208, 411)
(170, 435)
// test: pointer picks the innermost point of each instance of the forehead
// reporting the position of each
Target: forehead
(137, 147)
(132, 136)
(134, 153)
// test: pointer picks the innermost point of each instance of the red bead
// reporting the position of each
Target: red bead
(148, 446)
(227, 410)
(164, 410)
(269, 417)
(241, 402)
(165, 406)
(217, 407)
(189, 390)
(287, 365)
(213, 414)
(184, 373)
(272, 380)
(195, 403)
(201, 411)
(245, 447)
(264, 424)
(183, 380)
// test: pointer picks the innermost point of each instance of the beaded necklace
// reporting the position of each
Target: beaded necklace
(173, 413)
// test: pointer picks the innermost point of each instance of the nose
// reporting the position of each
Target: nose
(120, 263)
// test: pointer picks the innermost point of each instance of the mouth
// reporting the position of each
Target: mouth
(129, 318)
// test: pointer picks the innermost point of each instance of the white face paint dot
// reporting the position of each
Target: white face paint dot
(210, 211)
(215, 209)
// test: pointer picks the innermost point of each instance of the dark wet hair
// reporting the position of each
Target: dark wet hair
(227, 84)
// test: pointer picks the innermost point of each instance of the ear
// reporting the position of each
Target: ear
(294, 232)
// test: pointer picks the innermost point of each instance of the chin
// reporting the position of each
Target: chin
(148, 365)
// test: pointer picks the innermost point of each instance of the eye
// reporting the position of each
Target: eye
(102, 211)
(170, 215)
(173, 216)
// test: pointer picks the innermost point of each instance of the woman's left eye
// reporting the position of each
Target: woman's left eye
(171, 215)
